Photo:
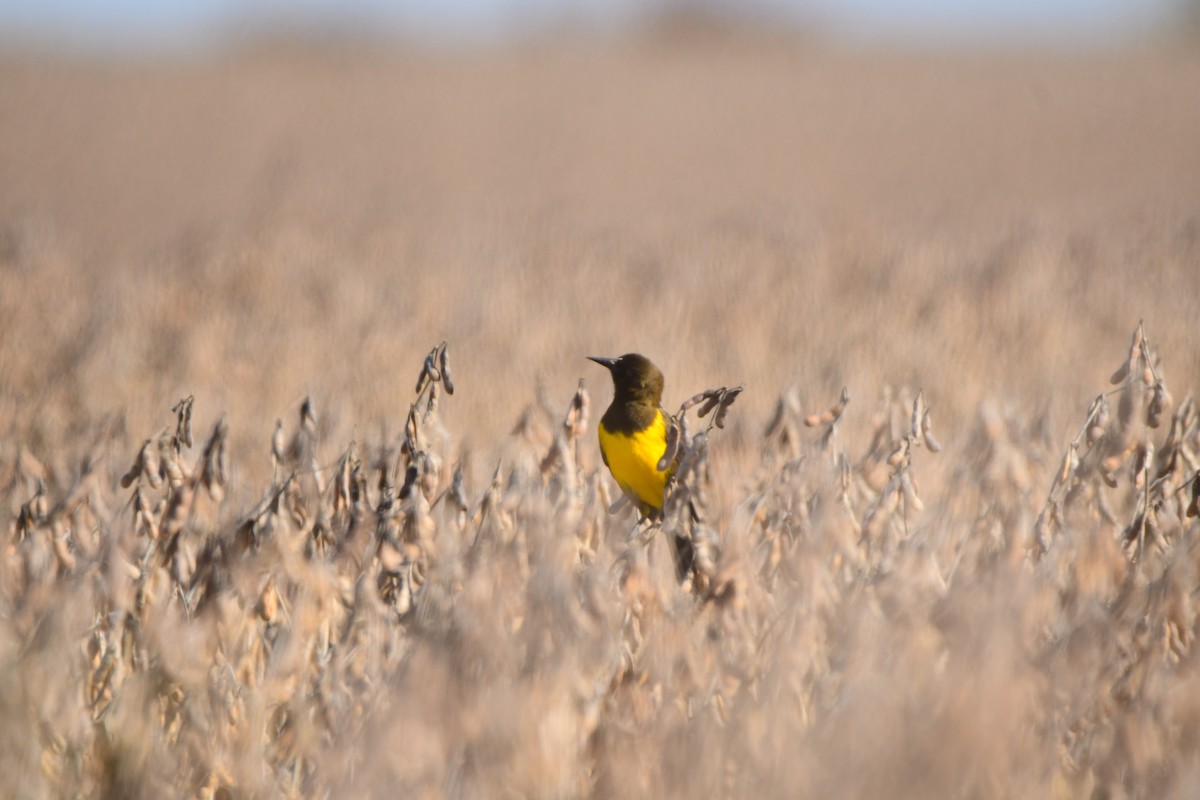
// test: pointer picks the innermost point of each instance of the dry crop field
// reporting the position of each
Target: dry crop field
(254, 546)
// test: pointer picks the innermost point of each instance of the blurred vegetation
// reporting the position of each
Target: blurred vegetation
(303, 579)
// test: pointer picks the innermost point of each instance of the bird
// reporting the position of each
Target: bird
(638, 440)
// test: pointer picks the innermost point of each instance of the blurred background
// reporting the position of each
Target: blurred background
(255, 202)
(141, 23)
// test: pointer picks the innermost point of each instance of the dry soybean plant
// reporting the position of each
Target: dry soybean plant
(824, 624)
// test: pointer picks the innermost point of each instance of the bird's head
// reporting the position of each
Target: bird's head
(634, 378)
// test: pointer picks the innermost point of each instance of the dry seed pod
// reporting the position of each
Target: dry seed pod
(172, 469)
(187, 422)
(308, 415)
(1159, 403)
(910, 492)
(183, 421)
(418, 525)
(1104, 412)
(221, 463)
(882, 509)
(145, 518)
(1193, 508)
(1144, 461)
(138, 468)
(410, 479)
(382, 466)
(1120, 375)
(342, 482)
(139, 503)
(1110, 480)
(830, 416)
(430, 367)
(694, 400)
(1135, 344)
(431, 404)
(489, 497)
(429, 370)
(843, 401)
(719, 420)
(727, 398)
(1043, 532)
(917, 415)
(268, 602)
(412, 441)
(776, 423)
(1125, 405)
(444, 364)
(458, 495)
(26, 522)
(152, 467)
(1068, 465)
(576, 422)
(213, 461)
(129, 477)
(557, 454)
(178, 511)
(277, 444)
(1113, 462)
(430, 468)
(668, 456)
(1098, 407)
(931, 443)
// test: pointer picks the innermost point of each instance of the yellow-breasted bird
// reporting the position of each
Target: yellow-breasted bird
(635, 433)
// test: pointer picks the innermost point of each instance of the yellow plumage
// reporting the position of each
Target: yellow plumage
(633, 460)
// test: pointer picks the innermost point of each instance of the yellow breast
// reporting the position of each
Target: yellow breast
(633, 460)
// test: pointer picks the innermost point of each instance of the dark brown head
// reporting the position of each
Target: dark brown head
(635, 379)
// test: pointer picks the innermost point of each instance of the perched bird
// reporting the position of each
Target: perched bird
(635, 433)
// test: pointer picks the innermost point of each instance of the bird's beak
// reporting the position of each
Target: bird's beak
(608, 362)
